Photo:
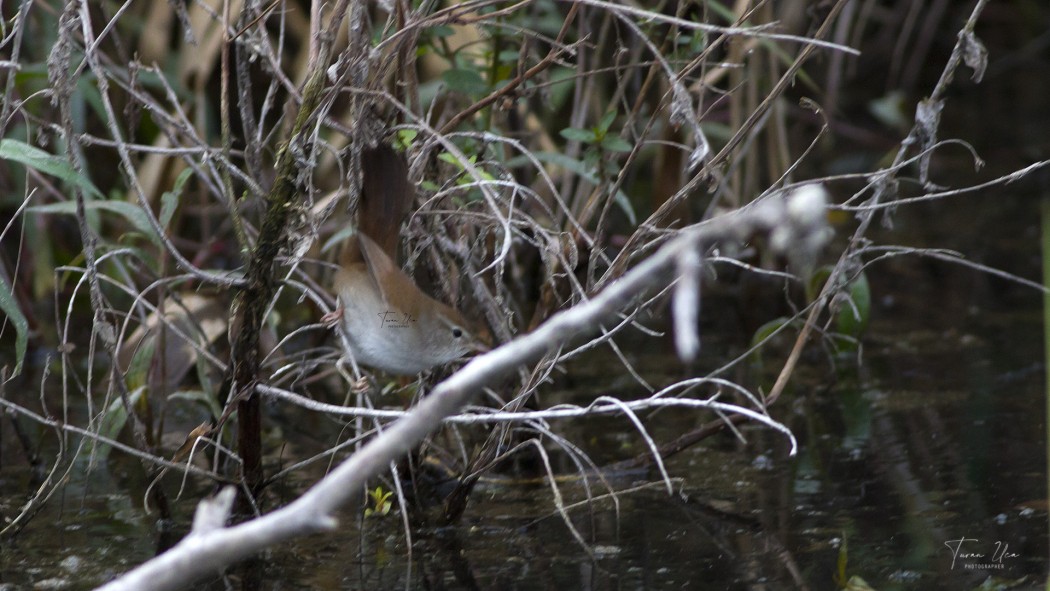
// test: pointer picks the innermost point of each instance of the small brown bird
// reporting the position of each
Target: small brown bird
(389, 323)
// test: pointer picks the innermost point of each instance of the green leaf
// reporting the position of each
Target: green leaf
(9, 305)
(446, 157)
(198, 397)
(816, 282)
(44, 263)
(381, 502)
(114, 419)
(129, 211)
(508, 56)
(40, 160)
(614, 143)
(853, 316)
(606, 121)
(575, 134)
(767, 330)
(441, 31)
(465, 81)
(405, 137)
(169, 201)
(856, 583)
(772, 331)
(504, 73)
(482, 173)
(891, 110)
(137, 374)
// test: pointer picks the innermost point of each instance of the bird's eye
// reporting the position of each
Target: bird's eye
(457, 332)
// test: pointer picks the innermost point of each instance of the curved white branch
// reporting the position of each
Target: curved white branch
(796, 220)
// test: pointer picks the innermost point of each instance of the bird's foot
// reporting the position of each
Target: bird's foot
(331, 319)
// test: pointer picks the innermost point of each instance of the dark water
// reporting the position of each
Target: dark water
(936, 436)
